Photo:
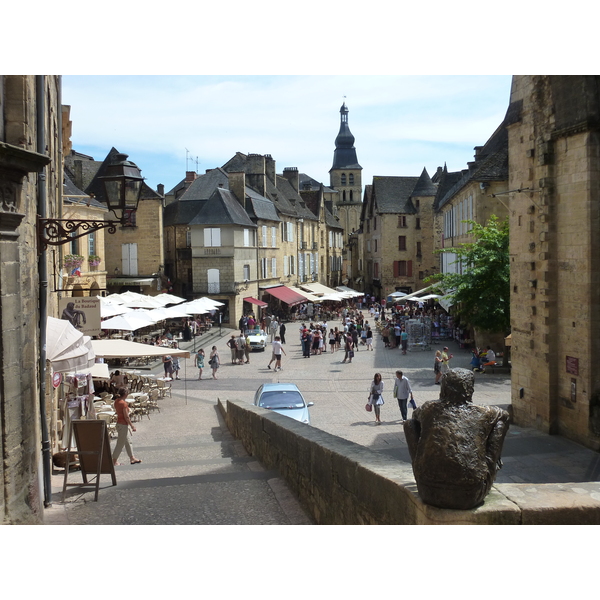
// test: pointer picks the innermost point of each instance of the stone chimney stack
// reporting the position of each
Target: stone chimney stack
(160, 189)
(292, 175)
(270, 168)
(256, 173)
(237, 186)
(190, 176)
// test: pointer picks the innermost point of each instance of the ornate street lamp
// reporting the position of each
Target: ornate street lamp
(122, 186)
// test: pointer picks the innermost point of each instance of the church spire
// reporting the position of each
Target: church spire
(344, 156)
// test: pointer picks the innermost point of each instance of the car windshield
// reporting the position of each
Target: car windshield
(255, 332)
(281, 399)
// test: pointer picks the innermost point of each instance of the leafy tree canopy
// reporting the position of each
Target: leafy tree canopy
(482, 292)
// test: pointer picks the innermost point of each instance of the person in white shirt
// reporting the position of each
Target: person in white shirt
(402, 390)
(277, 350)
(490, 358)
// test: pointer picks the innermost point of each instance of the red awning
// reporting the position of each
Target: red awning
(286, 295)
(255, 301)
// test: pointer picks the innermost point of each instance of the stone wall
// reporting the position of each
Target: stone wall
(553, 150)
(20, 188)
(341, 483)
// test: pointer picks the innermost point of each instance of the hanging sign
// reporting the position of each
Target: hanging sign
(56, 379)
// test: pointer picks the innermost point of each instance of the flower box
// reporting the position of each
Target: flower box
(72, 261)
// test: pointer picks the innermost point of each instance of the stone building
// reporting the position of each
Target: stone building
(554, 182)
(397, 232)
(31, 173)
(269, 233)
(474, 194)
(90, 278)
(134, 256)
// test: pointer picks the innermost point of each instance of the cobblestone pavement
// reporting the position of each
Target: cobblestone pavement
(194, 472)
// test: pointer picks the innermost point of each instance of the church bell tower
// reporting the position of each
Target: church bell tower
(345, 176)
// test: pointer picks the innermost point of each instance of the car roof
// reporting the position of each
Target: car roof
(280, 387)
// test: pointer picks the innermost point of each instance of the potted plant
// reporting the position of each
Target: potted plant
(93, 260)
(72, 262)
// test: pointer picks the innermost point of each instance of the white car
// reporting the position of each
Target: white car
(258, 339)
(285, 399)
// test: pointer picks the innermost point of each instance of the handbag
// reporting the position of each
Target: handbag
(368, 407)
(412, 403)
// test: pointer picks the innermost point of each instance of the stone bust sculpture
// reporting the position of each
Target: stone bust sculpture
(454, 445)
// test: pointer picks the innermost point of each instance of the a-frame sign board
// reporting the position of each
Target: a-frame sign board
(93, 452)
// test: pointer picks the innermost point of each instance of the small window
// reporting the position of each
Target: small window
(401, 221)
(212, 236)
(418, 223)
(343, 178)
(351, 178)
(401, 242)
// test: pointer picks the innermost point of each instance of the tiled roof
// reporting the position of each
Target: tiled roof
(181, 213)
(204, 185)
(490, 164)
(425, 186)
(222, 208)
(97, 189)
(392, 194)
(260, 207)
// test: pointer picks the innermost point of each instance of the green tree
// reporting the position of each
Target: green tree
(481, 294)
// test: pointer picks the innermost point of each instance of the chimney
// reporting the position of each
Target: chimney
(190, 176)
(292, 175)
(270, 168)
(256, 173)
(237, 186)
(160, 188)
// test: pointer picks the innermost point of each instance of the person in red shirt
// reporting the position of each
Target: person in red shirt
(123, 425)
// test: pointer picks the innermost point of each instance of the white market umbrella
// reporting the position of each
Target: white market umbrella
(112, 310)
(66, 347)
(124, 349)
(144, 302)
(125, 322)
(169, 299)
(175, 312)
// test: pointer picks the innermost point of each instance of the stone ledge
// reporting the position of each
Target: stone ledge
(340, 482)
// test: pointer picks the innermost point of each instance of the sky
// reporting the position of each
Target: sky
(175, 123)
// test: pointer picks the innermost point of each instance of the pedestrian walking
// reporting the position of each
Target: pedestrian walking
(437, 366)
(232, 346)
(446, 360)
(349, 353)
(168, 365)
(277, 350)
(282, 333)
(247, 349)
(369, 338)
(176, 363)
(375, 398)
(123, 425)
(214, 361)
(404, 340)
(200, 362)
(402, 391)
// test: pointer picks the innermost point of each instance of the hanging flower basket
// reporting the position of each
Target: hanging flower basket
(94, 260)
(72, 262)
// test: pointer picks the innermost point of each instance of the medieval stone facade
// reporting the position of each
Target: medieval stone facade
(554, 180)
(30, 184)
